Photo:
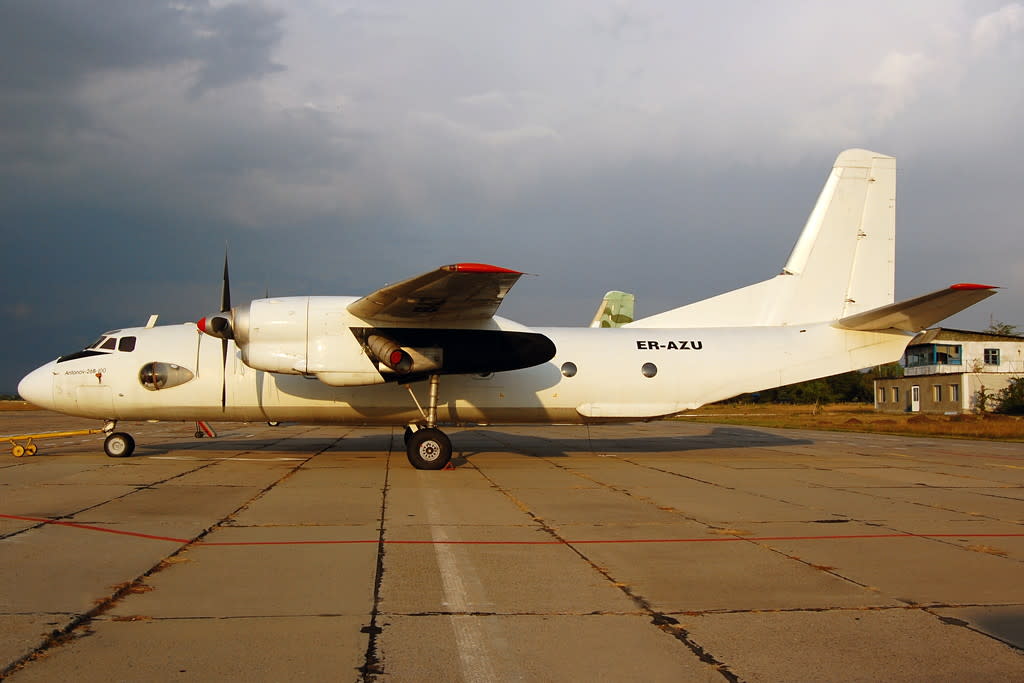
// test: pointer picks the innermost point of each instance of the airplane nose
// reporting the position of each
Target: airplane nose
(37, 386)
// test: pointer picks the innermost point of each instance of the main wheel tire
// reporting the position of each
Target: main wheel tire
(429, 449)
(407, 435)
(17, 450)
(119, 445)
(31, 449)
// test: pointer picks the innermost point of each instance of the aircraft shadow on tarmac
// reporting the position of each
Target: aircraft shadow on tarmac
(470, 443)
(536, 445)
(1007, 626)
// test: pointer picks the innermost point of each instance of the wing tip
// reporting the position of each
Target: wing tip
(971, 285)
(478, 268)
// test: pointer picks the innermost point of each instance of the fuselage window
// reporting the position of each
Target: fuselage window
(126, 344)
(110, 343)
(649, 369)
(569, 369)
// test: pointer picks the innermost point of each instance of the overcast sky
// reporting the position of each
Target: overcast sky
(669, 149)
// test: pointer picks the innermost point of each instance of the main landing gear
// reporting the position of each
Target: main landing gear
(427, 447)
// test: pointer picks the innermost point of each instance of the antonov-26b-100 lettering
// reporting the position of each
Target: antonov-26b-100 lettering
(380, 359)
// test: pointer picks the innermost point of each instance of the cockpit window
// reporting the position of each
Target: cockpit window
(110, 343)
(126, 344)
(96, 344)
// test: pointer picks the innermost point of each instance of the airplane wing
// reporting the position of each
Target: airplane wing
(458, 292)
(914, 315)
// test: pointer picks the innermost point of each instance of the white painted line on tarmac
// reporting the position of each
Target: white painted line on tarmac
(192, 457)
(470, 642)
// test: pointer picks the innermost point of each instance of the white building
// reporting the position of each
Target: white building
(946, 371)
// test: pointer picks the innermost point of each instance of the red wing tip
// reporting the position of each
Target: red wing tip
(969, 285)
(477, 268)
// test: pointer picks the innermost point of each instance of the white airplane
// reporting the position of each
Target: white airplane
(362, 361)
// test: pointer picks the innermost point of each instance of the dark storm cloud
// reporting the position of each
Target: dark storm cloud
(237, 47)
(52, 44)
(56, 50)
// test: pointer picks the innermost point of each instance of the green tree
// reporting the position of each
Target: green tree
(999, 327)
(1010, 399)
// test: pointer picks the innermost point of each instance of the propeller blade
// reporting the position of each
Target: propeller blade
(225, 290)
(221, 326)
(224, 374)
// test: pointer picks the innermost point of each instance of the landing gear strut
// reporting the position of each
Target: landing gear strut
(428, 448)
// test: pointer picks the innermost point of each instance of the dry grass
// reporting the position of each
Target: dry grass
(16, 405)
(856, 417)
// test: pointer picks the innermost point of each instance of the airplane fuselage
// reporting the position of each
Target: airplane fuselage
(595, 375)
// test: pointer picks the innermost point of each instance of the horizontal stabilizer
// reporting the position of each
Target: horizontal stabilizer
(914, 315)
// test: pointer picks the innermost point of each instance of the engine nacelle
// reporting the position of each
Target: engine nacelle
(303, 336)
(271, 334)
(318, 336)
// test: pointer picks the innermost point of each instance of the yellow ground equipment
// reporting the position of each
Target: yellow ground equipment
(22, 444)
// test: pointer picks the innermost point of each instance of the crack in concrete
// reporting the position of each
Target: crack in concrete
(373, 665)
(664, 622)
(81, 621)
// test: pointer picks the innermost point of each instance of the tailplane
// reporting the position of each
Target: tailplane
(914, 315)
(843, 263)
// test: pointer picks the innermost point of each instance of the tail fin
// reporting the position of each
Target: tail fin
(843, 263)
(616, 310)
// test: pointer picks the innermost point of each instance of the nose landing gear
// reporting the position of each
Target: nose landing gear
(119, 445)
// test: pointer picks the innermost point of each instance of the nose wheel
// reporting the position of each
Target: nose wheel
(119, 445)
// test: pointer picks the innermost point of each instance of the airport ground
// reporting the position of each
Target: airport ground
(664, 551)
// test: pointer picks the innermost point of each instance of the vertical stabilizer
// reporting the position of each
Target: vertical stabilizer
(616, 310)
(842, 264)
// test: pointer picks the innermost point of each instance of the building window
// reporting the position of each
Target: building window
(991, 356)
(933, 354)
(881, 394)
(895, 394)
(954, 393)
(937, 393)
